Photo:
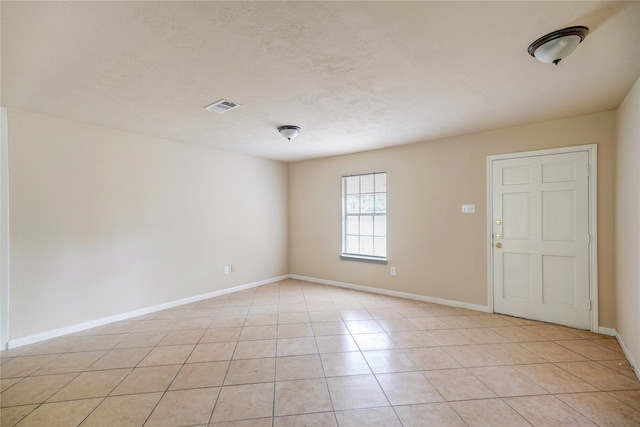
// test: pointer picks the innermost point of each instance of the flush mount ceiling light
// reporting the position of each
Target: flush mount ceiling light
(557, 45)
(289, 131)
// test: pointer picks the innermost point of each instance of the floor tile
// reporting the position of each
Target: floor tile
(547, 411)
(396, 325)
(458, 384)
(356, 392)
(341, 364)
(212, 352)
(517, 334)
(123, 410)
(623, 367)
(298, 353)
(630, 397)
(483, 336)
(513, 354)
(506, 381)
(551, 332)
(147, 339)
(227, 321)
(382, 417)
(296, 346)
(120, 358)
(285, 318)
(295, 330)
(59, 414)
(255, 349)
(459, 322)
(488, 412)
(90, 384)
(200, 375)
(322, 419)
(428, 323)
(336, 344)
(302, 397)
(379, 341)
(411, 339)
(325, 316)
(552, 352)
(448, 337)
(168, 355)
(182, 337)
(243, 402)
(249, 371)
(35, 389)
(599, 376)
(431, 358)
(472, 355)
(100, 342)
(329, 328)
(184, 407)
(385, 361)
(491, 320)
(430, 414)
(71, 362)
(299, 367)
(11, 416)
(590, 350)
(554, 379)
(25, 365)
(9, 382)
(407, 388)
(602, 409)
(363, 326)
(147, 379)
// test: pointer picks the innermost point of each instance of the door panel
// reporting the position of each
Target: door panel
(540, 238)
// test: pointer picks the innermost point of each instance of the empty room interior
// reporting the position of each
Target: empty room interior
(320, 213)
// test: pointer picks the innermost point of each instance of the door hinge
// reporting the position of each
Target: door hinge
(590, 305)
(588, 170)
(588, 237)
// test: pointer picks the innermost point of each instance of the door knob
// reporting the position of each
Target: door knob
(498, 245)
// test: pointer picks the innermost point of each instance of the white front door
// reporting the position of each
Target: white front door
(540, 238)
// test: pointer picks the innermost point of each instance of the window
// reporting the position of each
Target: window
(364, 216)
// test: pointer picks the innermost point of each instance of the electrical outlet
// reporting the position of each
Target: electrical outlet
(226, 269)
(468, 209)
(393, 271)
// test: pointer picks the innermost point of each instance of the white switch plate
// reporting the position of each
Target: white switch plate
(468, 208)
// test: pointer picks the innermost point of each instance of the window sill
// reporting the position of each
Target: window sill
(365, 258)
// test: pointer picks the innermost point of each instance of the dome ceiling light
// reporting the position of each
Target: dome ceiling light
(289, 131)
(556, 46)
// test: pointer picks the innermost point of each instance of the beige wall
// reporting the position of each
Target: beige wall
(104, 222)
(628, 223)
(438, 251)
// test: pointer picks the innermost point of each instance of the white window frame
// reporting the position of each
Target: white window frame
(359, 255)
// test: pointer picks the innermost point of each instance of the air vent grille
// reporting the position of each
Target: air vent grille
(222, 106)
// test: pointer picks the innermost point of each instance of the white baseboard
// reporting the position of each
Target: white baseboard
(624, 349)
(31, 339)
(407, 295)
(607, 331)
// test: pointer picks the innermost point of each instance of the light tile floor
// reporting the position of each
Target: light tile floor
(295, 353)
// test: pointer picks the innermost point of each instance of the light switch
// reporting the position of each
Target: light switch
(468, 209)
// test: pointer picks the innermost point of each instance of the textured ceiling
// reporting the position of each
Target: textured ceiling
(354, 75)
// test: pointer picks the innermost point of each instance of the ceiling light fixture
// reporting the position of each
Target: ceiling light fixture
(289, 131)
(557, 45)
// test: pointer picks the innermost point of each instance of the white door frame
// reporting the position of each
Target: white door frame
(592, 150)
(4, 231)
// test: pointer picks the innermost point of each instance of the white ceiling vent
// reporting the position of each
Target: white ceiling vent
(222, 106)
